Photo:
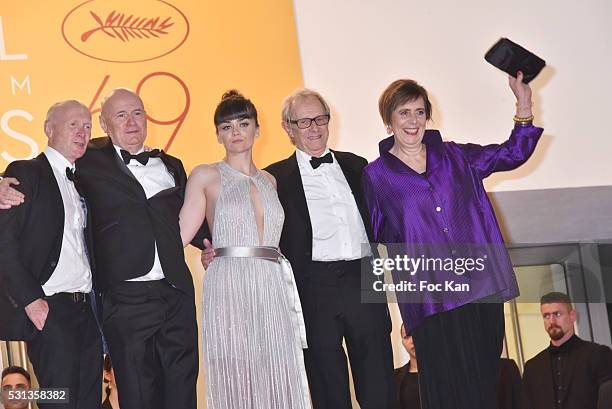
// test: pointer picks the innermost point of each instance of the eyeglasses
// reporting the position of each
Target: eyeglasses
(305, 123)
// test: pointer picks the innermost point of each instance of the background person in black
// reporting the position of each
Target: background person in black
(112, 395)
(407, 377)
(45, 273)
(14, 378)
(567, 374)
(407, 381)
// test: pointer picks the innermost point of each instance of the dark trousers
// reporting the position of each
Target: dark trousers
(67, 353)
(151, 331)
(459, 354)
(333, 311)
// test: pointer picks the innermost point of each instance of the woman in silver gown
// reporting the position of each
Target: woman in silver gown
(253, 331)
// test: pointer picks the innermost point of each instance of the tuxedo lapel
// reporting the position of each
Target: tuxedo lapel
(352, 173)
(53, 193)
(110, 151)
(119, 169)
(295, 188)
(352, 177)
(171, 168)
(569, 365)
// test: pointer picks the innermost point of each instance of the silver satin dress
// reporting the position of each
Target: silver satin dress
(252, 355)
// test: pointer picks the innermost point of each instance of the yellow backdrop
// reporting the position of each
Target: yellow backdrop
(179, 55)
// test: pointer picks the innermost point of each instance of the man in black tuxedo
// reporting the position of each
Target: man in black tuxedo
(148, 303)
(45, 272)
(326, 227)
(148, 309)
(569, 373)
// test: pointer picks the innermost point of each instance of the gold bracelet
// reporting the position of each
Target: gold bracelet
(523, 121)
(530, 104)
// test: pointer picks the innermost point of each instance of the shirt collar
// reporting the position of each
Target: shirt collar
(303, 159)
(435, 152)
(57, 160)
(564, 347)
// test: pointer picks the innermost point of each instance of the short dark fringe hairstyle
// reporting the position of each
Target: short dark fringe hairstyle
(555, 297)
(233, 106)
(16, 369)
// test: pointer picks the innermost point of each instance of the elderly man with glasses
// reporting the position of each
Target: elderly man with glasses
(326, 225)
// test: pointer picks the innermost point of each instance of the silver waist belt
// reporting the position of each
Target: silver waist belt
(293, 298)
(262, 252)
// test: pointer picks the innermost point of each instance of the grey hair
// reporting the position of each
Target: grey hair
(289, 102)
(61, 105)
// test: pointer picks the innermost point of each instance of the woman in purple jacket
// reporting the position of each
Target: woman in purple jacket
(427, 197)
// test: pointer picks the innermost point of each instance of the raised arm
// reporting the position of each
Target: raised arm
(522, 92)
(193, 212)
(520, 145)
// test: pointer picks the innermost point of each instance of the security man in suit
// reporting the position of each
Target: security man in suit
(569, 373)
(45, 271)
(326, 227)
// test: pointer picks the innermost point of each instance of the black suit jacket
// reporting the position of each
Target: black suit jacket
(407, 388)
(509, 387)
(30, 243)
(126, 225)
(296, 238)
(587, 366)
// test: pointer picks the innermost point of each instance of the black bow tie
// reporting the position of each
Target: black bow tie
(142, 157)
(70, 174)
(316, 162)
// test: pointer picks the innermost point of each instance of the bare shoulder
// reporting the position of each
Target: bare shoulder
(204, 174)
(269, 176)
(205, 171)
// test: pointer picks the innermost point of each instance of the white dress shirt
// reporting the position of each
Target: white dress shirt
(338, 232)
(153, 177)
(72, 272)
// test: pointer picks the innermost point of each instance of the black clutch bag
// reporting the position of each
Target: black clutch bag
(510, 57)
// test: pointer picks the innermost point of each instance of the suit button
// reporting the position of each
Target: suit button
(53, 264)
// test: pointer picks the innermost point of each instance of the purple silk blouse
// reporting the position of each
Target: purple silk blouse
(447, 207)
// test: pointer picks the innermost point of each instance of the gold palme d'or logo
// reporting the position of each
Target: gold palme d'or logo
(124, 32)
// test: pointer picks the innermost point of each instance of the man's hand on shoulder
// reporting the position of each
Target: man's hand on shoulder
(9, 196)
